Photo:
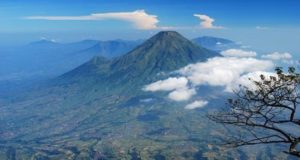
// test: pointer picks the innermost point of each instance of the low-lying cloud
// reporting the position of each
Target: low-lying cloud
(182, 94)
(261, 28)
(168, 84)
(196, 104)
(178, 87)
(139, 18)
(225, 72)
(244, 80)
(283, 58)
(238, 53)
(222, 71)
(278, 56)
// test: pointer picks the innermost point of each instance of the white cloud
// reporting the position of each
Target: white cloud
(178, 86)
(182, 94)
(238, 53)
(245, 46)
(167, 85)
(278, 56)
(261, 28)
(218, 71)
(51, 40)
(207, 22)
(139, 18)
(221, 71)
(196, 104)
(244, 80)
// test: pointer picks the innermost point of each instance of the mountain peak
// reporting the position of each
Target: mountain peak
(166, 35)
(166, 51)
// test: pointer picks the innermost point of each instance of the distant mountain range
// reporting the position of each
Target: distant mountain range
(48, 58)
(216, 44)
(110, 49)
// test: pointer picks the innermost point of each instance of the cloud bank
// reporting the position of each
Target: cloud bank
(278, 56)
(196, 104)
(178, 87)
(227, 72)
(167, 85)
(261, 28)
(207, 22)
(182, 94)
(139, 18)
(244, 80)
(222, 71)
(238, 53)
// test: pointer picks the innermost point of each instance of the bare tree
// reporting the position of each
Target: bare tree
(267, 112)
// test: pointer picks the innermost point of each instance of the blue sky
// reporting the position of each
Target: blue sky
(263, 24)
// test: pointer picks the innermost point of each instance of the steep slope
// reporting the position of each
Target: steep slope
(95, 65)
